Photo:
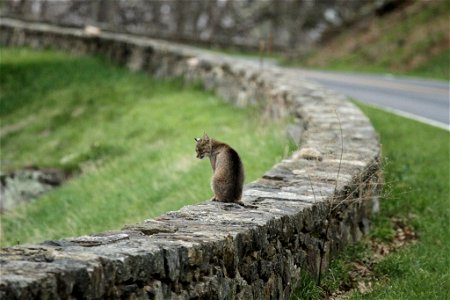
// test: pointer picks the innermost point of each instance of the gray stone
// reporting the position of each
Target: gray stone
(25, 185)
(215, 250)
(91, 241)
(150, 227)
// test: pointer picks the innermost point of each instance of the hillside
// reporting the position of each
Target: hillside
(125, 142)
(412, 40)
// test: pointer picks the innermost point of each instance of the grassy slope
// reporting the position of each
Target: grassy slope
(417, 190)
(417, 177)
(413, 40)
(129, 134)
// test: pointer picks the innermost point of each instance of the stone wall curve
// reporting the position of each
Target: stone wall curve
(306, 208)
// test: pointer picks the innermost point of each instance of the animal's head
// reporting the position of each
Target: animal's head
(203, 146)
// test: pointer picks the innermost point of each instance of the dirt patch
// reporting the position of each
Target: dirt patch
(27, 184)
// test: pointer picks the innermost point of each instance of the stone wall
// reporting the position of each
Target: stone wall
(285, 24)
(305, 209)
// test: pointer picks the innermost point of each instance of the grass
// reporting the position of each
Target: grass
(411, 41)
(128, 136)
(417, 190)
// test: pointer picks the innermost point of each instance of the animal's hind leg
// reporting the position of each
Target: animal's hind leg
(220, 191)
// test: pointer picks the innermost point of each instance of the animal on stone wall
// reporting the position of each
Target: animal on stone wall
(228, 171)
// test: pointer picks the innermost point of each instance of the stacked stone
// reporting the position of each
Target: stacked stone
(304, 210)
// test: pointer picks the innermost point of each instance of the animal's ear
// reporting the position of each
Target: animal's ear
(197, 139)
(205, 137)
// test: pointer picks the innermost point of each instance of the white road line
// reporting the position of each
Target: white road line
(409, 116)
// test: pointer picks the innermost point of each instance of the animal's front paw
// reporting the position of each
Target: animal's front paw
(213, 199)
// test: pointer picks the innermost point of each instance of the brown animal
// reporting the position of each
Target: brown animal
(228, 172)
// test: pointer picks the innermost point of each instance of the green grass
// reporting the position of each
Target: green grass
(436, 68)
(129, 136)
(417, 190)
(412, 41)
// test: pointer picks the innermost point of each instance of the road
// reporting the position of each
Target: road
(423, 100)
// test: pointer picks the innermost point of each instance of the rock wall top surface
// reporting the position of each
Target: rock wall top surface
(301, 212)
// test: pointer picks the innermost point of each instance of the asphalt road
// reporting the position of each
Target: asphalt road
(427, 101)
(424, 100)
